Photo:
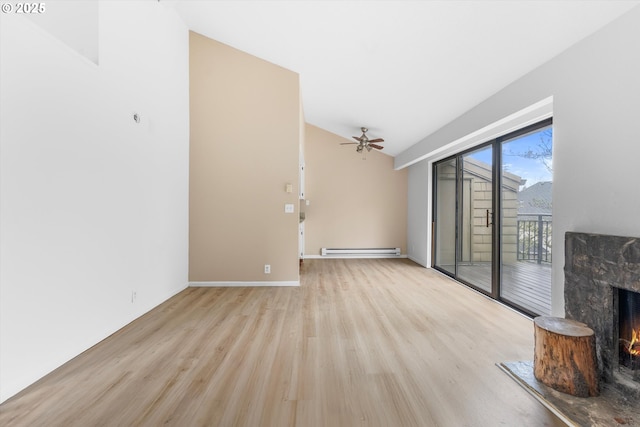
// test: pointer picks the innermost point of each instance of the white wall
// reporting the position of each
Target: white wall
(418, 213)
(73, 22)
(596, 109)
(92, 205)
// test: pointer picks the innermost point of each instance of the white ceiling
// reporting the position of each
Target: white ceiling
(401, 68)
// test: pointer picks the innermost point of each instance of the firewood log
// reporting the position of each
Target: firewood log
(565, 356)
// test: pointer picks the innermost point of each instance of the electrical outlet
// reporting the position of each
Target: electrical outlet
(267, 269)
(134, 295)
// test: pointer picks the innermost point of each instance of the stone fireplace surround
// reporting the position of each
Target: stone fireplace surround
(595, 267)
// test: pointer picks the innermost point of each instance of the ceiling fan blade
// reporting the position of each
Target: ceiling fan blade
(357, 138)
(376, 140)
(349, 143)
(376, 146)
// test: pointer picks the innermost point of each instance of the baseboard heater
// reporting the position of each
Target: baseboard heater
(361, 252)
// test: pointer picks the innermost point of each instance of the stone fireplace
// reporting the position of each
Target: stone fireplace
(600, 272)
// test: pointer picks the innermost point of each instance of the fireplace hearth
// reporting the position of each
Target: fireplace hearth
(602, 278)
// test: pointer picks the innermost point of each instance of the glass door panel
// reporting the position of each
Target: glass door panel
(475, 217)
(445, 216)
(526, 221)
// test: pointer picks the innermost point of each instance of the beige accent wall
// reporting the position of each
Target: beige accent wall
(245, 142)
(353, 203)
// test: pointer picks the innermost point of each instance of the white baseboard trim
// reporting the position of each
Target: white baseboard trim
(241, 284)
(353, 256)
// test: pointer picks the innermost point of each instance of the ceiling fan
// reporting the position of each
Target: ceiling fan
(365, 142)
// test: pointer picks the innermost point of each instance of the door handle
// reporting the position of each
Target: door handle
(489, 222)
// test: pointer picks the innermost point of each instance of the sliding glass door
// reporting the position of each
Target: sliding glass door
(505, 255)
(476, 218)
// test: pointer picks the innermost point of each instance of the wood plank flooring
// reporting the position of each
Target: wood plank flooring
(371, 342)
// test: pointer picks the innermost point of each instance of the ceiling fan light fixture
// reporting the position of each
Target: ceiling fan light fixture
(365, 142)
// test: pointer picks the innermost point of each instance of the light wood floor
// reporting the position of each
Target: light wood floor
(359, 343)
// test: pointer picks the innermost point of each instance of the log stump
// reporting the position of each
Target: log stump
(565, 356)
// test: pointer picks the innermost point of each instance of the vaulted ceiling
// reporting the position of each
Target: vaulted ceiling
(401, 68)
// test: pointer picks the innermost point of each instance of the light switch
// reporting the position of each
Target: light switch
(289, 188)
(288, 208)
